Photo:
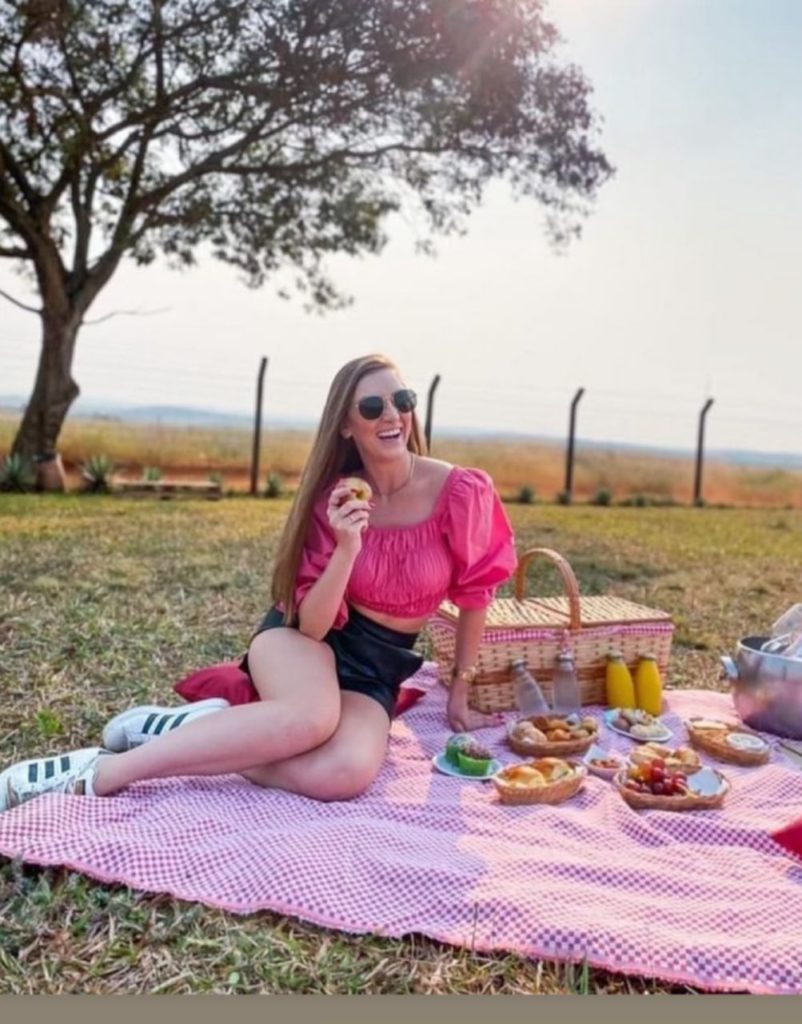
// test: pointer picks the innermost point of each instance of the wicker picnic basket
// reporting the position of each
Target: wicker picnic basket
(537, 629)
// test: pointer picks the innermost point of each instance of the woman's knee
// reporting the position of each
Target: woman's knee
(346, 775)
(306, 727)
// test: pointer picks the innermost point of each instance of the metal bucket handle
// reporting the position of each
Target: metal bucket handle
(729, 666)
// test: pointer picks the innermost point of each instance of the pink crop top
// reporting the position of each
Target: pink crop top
(462, 551)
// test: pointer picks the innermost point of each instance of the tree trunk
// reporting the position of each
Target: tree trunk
(54, 390)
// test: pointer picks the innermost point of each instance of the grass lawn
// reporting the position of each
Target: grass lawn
(105, 602)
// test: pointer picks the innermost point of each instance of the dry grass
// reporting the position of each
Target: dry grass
(103, 601)
(194, 452)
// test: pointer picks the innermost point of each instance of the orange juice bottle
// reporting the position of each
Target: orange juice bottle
(618, 682)
(648, 685)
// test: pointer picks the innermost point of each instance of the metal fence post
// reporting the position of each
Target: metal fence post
(257, 427)
(569, 457)
(429, 409)
(697, 480)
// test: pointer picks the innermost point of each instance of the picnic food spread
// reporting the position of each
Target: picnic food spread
(656, 775)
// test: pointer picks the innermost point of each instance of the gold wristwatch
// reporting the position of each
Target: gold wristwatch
(465, 675)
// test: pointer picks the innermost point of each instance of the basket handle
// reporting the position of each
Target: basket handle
(568, 578)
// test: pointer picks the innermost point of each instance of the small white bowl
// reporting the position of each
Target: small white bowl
(596, 752)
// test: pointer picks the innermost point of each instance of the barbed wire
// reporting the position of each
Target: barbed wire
(456, 397)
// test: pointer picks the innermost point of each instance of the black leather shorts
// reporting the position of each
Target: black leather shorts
(370, 658)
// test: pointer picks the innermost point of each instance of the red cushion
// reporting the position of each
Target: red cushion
(790, 837)
(229, 681)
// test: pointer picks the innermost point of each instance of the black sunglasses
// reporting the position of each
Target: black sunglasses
(372, 406)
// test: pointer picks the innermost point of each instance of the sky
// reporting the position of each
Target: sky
(683, 286)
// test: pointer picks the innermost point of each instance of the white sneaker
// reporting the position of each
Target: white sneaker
(136, 726)
(62, 773)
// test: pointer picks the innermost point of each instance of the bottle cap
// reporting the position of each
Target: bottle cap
(648, 657)
(517, 661)
(615, 656)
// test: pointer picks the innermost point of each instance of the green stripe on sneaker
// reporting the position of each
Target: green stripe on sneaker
(33, 772)
(161, 724)
(149, 722)
(50, 769)
(65, 763)
(178, 720)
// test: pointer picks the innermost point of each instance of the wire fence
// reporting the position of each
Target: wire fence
(660, 421)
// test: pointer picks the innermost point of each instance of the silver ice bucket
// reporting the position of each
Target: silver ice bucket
(766, 688)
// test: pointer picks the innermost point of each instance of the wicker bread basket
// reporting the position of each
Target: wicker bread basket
(658, 802)
(559, 748)
(538, 629)
(551, 793)
(715, 744)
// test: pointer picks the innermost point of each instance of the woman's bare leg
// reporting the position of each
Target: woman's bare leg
(345, 765)
(299, 710)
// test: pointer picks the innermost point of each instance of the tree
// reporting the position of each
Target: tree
(274, 131)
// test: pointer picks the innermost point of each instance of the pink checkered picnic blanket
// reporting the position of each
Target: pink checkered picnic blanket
(705, 897)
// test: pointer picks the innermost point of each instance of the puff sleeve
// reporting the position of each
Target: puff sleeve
(318, 548)
(480, 538)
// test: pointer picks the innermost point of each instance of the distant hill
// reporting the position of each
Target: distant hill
(188, 416)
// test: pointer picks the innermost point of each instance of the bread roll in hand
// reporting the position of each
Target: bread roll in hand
(359, 488)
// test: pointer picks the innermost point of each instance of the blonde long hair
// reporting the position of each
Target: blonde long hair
(331, 455)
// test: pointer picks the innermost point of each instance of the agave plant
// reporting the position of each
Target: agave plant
(16, 474)
(275, 486)
(97, 472)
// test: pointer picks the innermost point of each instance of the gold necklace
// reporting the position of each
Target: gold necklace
(412, 464)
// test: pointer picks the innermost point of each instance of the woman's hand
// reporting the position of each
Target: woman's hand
(461, 718)
(348, 518)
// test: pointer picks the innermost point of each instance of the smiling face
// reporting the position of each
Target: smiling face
(386, 437)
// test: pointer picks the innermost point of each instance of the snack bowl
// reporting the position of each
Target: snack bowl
(732, 743)
(599, 754)
(550, 748)
(549, 793)
(706, 790)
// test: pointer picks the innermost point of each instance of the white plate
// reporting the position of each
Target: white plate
(666, 734)
(447, 768)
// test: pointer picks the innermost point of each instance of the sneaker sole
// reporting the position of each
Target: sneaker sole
(114, 732)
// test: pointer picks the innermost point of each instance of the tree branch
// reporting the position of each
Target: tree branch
(126, 312)
(7, 162)
(16, 302)
(16, 254)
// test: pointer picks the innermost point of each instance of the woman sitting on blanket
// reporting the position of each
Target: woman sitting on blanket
(354, 582)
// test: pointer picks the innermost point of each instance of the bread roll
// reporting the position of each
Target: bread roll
(359, 488)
